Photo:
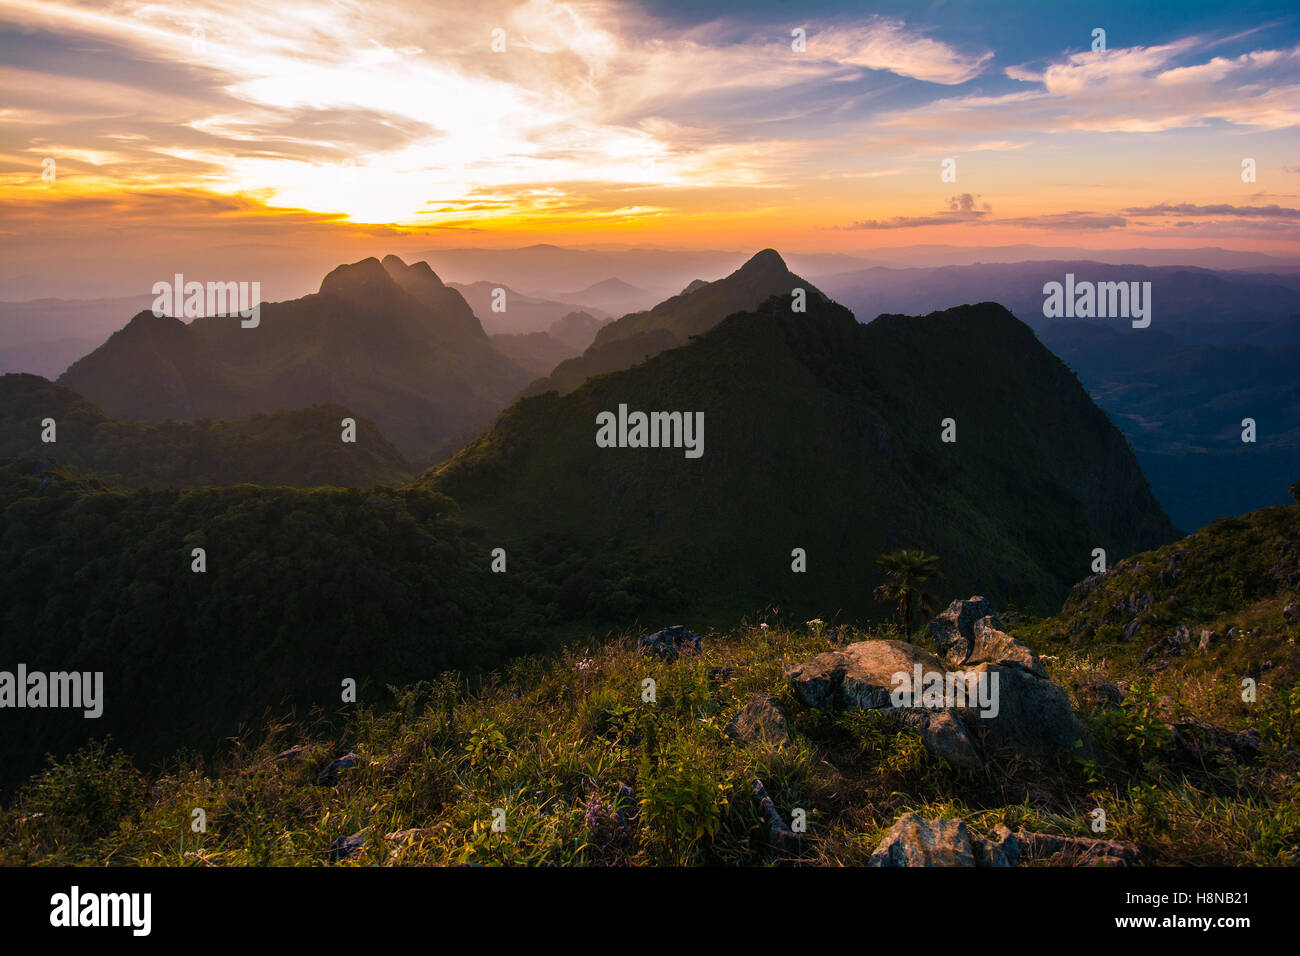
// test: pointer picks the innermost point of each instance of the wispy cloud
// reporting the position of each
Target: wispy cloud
(961, 209)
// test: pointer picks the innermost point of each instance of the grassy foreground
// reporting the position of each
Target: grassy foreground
(587, 772)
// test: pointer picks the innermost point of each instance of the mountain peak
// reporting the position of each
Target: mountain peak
(356, 278)
(766, 261)
(418, 278)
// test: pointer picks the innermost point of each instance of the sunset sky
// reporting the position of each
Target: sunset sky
(333, 123)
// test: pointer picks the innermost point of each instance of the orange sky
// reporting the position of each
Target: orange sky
(333, 126)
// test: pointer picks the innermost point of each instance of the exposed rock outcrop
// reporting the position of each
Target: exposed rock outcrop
(999, 698)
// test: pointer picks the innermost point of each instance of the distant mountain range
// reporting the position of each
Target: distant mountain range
(516, 314)
(538, 352)
(397, 347)
(387, 340)
(612, 296)
(45, 336)
(544, 269)
(1194, 305)
(1221, 347)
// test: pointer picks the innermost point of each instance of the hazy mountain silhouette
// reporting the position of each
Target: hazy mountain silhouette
(523, 313)
(1195, 305)
(612, 296)
(638, 335)
(387, 340)
(538, 352)
(576, 329)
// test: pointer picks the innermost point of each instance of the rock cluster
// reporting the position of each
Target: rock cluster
(1028, 712)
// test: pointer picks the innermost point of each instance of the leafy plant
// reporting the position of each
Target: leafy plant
(906, 573)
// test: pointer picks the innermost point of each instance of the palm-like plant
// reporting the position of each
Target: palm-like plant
(906, 573)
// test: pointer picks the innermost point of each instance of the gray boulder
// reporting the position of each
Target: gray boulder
(999, 848)
(669, 644)
(291, 756)
(778, 836)
(913, 841)
(954, 630)
(1034, 715)
(1098, 693)
(1174, 643)
(991, 645)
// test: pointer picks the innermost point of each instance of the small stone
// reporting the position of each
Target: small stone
(761, 721)
(330, 775)
(347, 846)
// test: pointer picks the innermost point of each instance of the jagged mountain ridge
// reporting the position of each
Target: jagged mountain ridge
(388, 340)
(824, 434)
(702, 305)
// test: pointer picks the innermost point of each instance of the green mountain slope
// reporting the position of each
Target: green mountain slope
(1234, 573)
(302, 448)
(824, 434)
